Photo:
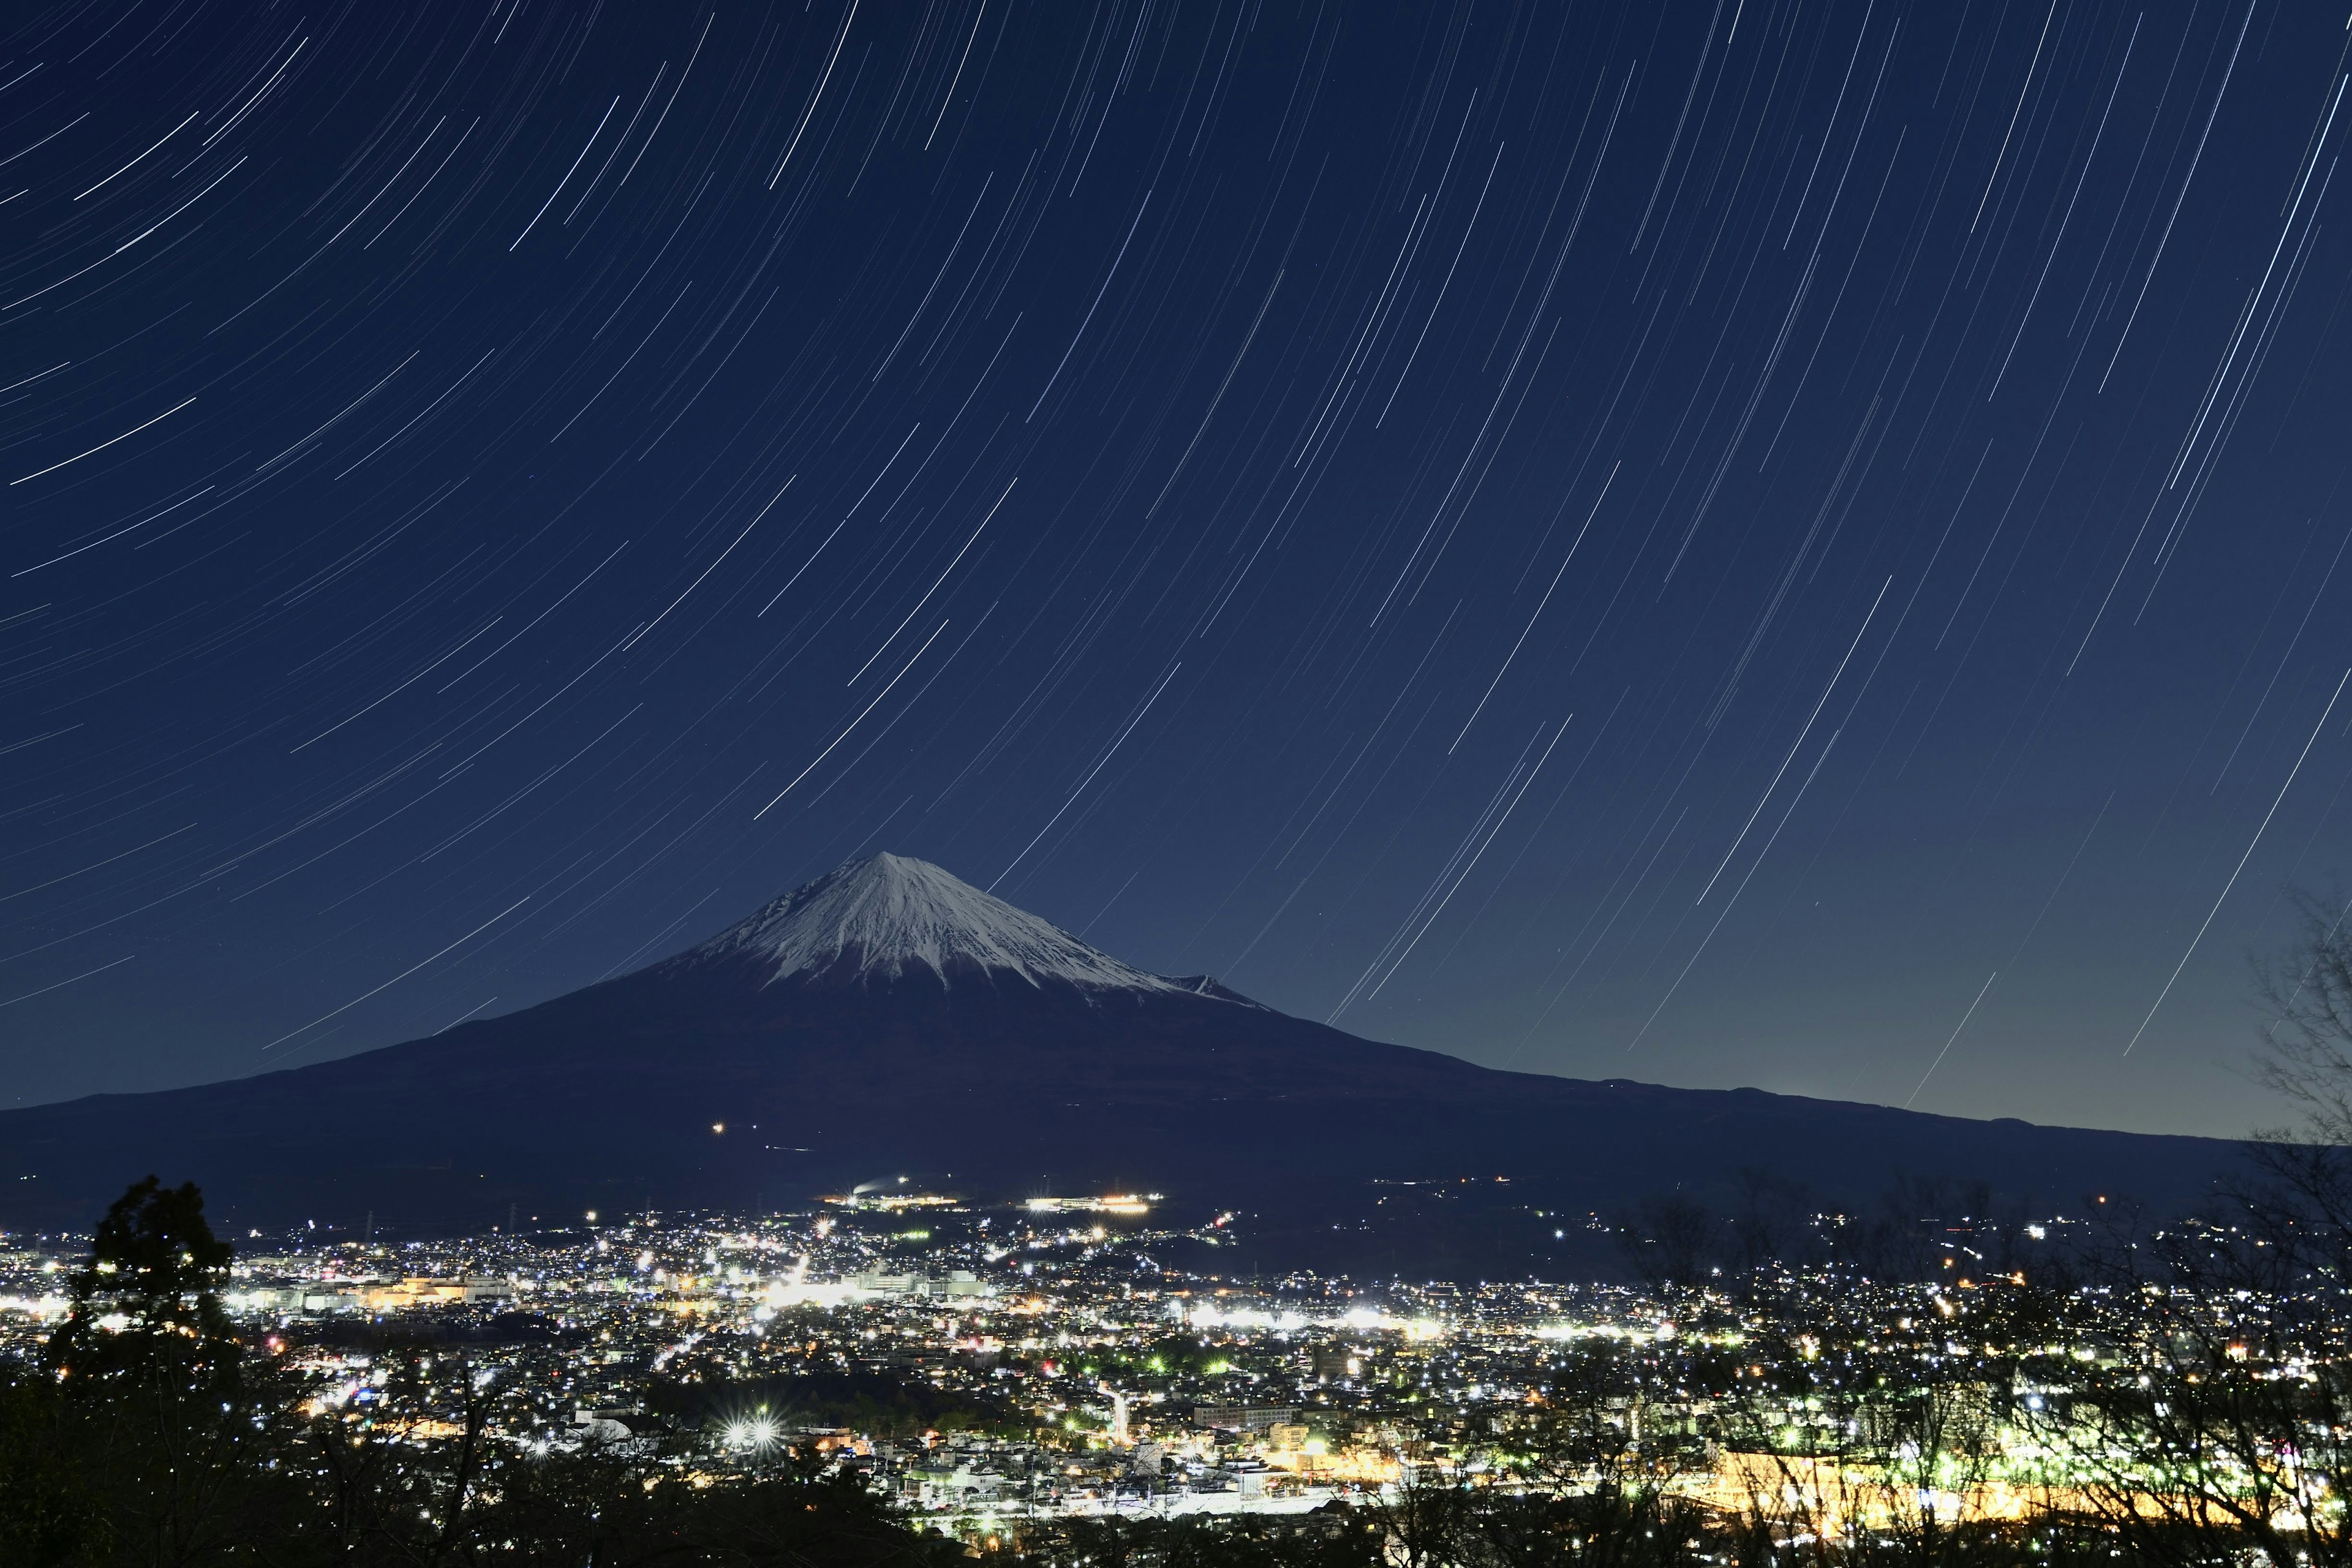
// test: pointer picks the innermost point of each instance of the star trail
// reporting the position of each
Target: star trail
(1668, 541)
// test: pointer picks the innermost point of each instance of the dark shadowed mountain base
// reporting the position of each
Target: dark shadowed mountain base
(889, 1020)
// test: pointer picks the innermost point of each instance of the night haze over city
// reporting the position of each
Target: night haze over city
(1163, 782)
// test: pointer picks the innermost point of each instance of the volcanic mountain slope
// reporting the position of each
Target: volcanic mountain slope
(889, 1018)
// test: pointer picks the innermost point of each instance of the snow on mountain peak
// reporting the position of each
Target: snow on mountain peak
(887, 915)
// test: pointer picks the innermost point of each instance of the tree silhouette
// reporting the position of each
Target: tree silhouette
(148, 1297)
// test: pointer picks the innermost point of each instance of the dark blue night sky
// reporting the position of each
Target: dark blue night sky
(1742, 542)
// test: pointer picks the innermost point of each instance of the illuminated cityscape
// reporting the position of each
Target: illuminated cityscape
(997, 1371)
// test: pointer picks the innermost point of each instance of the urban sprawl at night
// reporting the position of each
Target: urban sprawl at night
(1041, 1377)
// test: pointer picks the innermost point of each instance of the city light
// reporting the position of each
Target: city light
(1170, 1392)
(756, 1434)
(1122, 1204)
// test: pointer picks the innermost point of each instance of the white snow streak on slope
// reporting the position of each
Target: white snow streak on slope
(889, 915)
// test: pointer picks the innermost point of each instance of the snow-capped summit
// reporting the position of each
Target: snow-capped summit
(889, 916)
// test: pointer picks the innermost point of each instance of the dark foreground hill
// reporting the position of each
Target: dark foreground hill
(889, 1020)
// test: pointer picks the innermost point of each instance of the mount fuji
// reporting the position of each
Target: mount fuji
(887, 920)
(888, 1018)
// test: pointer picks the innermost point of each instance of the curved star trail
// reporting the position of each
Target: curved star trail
(496, 491)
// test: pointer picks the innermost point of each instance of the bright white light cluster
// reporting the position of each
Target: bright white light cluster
(1209, 1315)
(753, 1433)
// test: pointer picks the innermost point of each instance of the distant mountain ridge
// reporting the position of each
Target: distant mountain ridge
(889, 1016)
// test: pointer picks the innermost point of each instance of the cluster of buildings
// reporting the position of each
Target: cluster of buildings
(986, 1364)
